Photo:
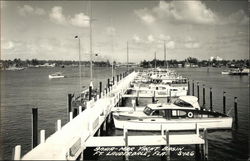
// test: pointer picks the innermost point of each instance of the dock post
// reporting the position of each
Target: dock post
(198, 92)
(113, 81)
(34, 127)
(69, 102)
(211, 100)
(224, 102)
(125, 134)
(188, 93)
(153, 98)
(204, 97)
(133, 104)
(197, 152)
(193, 87)
(42, 136)
(137, 98)
(58, 125)
(80, 109)
(120, 76)
(75, 113)
(108, 83)
(167, 144)
(90, 93)
(70, 116)
(117, 78)
(100, 89)
(205, 145)
(17, 153)
(235, 112)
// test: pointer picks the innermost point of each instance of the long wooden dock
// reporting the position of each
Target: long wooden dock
(69, 141)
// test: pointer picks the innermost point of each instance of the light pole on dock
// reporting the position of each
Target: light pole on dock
(80, 68)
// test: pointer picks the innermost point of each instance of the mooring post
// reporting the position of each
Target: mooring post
(69, 102)
(167, 144)
(108, 83)
(117, 78)
(75, 113)
(193, 87)
(205, 145)
(198, 92)
(17, 153)
(224, 102)
(100, 89)
(90, 93)
(113, 81)
(188, 92)
(133, 104)
(120, 76)
(125, 134)
(80, 107)
(137, 98)
(153, 98)
(204, 97)
(70, 116)
(58, 125)
(42, 136)
(235, 112)
(34, 127)
(211, 100)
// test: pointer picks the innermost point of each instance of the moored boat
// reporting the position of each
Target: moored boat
(56, 75)
(183, 114)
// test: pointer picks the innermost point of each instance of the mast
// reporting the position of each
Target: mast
(80, 68)
(90, 43)
(165, 61)
(112, 50)
(155, 61)
(127, 56)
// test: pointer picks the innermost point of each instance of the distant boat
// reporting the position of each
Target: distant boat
(56, 75)
(225, 72)
(15, 68)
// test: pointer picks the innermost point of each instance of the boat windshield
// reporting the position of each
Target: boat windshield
(147, 110)
(182, 103)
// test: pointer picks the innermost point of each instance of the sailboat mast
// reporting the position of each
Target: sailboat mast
(112, 36)
(90, 42)
(80, 68)
(127, 56)
(165, 61)
(155, 60)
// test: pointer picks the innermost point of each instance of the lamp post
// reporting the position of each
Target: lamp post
(80, 70)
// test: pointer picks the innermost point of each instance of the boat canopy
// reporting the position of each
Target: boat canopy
(191, 100)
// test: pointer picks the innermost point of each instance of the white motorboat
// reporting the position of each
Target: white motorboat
(183, 114)
(56, 75)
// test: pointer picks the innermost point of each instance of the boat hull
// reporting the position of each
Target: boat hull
(55, 77)
(178, 124)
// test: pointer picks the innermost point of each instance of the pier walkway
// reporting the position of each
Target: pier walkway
(68, 142)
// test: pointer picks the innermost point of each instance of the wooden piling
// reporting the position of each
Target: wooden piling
(167, 144)
(193, 87)
(211, 100)
(113, 81)
(70, 116)
(204, 97)
(34, 127)
(224, 102)
(17, 153)
(100, 89)
(108, 83)
(58, 125)
(75, 112)
(235, 111)
(137, 98)
(188, 92)
(125, 132)
(90, 93)
(153, 98)
(205, 145)
(117, 78)
(42, 136)
(198, 91)
(69, 102)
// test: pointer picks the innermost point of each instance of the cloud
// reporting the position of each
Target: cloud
(192, 45)
(80, 20)
(8, 45)
(185, 11)
(145, 16)
(57, 16)
(27, 9)
(238, 17)
(164, 37)
(111, 31)
(150, 38)
(170, 45)
(136, 38)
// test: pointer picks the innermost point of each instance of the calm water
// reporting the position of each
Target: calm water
(22, 90)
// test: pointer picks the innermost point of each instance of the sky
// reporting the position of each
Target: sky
(201, 29)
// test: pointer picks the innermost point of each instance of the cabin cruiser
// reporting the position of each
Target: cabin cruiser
(183, 114)
(56, 75)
